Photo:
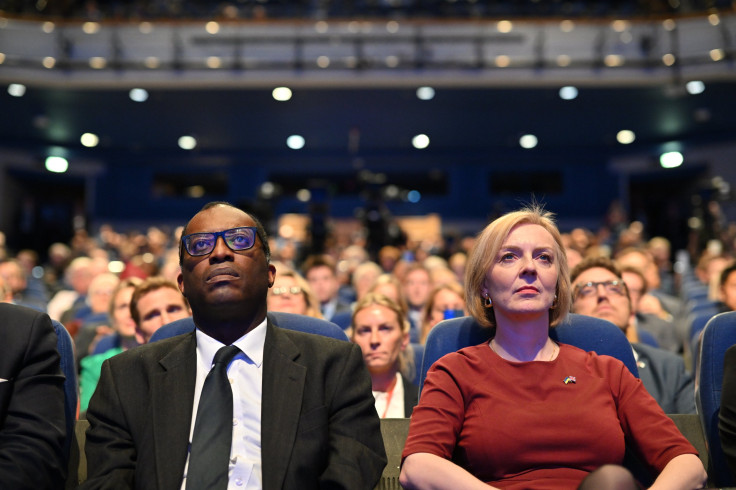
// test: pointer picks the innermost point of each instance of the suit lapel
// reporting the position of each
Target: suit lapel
(283, 387)
(172, 391)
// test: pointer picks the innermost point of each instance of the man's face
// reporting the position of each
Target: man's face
(225, 278)
(728, 291)
(635, 285)
(602, 303)
(157, 308)
(417, 287)
(323, 283)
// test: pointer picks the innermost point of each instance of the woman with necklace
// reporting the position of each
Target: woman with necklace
(522, 411)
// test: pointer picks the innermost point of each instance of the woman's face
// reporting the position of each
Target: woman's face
(122, 320)
(388, 290)
(523, 278)
(445, 300)
(287, 296)
(377, 330)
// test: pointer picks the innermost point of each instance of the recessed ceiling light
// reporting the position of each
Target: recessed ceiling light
(671, 159)
(425, 93)
(138, 95)
(90, 140)
(57, 164)
(17, 89)
(187, 142)
(528, 141)
(295, 142)
(625, 137)
(568, 93)
(282, 94)
(420, 141)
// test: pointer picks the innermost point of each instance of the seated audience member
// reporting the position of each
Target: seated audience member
(522, 411)
(664, 332)
(321, 274)
(380, 328)
(279, 409)
(17, 281)
(291, 294)
(661, 250)
(727, 289)
(599, 291)
(364, 276)
(123, 338)
(417, 284)
(77, 277)
(97, 322)
(727, 413)
(388, 257)
(155, 302)
(32, 419)
(457, 263)
(6, 295)
(445, 301)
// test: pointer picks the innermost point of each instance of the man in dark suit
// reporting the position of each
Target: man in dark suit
(320, 272)
(302, 413)
(599, 291)
(32, 420)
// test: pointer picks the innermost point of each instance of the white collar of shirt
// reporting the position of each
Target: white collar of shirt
(251, 344)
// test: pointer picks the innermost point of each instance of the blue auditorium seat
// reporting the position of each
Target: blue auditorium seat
(71, 387)
(585, 332)
(289, 321)
(719, 334)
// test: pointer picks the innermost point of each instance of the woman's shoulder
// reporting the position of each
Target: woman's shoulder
(602, 364)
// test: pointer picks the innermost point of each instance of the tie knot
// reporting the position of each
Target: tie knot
(226, 354)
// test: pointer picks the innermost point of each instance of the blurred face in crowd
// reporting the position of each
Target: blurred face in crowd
(377, 330)
(157, 308)
(323, 283)
(445, 300)
(635, 285)
(728, 291)
(607, 300)
(287, 296)
(122, 319)
(417, 287)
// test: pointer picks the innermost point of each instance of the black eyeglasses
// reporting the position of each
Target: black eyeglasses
(237, 239)
(588, 289)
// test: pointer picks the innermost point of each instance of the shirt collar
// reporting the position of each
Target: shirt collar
(251, 344)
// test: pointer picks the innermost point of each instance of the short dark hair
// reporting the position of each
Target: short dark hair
(727, 272)
(148, 285)
(260, 229)
(592, 262)
(321, 260)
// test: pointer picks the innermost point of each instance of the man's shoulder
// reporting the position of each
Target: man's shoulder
(153, 351)
(655, 354)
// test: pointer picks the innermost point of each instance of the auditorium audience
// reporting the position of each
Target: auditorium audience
(321, 274)
(154, 303)
(558, 417)
(380, 328)
(16, 279)
(445, 301)
(291, 294)
(417, 284)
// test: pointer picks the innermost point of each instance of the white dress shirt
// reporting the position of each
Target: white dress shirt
(245, 373)
(390, 404)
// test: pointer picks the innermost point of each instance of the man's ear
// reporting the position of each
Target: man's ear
(180, 283)
(271, 275)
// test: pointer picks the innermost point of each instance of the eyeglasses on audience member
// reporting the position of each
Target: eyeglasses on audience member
(284, 290)
(589, 289)
(237, 239)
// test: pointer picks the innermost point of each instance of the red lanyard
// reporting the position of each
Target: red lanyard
(388, 399)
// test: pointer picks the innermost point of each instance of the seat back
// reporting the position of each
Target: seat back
(585, 332)
(719, 334)
(65, 347)
(289, 321)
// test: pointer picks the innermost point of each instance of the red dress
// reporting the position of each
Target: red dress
(538, 424)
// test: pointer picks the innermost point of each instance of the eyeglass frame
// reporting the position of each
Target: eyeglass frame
(605, 284)
(217, 235)
(293, 290)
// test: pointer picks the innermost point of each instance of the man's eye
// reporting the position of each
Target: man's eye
(199, 244)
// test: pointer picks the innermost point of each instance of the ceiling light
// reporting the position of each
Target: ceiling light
(625, 137)
(420, 141)
(695, 87)
(528, 141)
(138, 95)
(671, 159)
(568, 93)
(212, 27)
(90, 140)
(425, 93)
(187, 142)
(295, 142)
(57, 164)
(16, 89)
(49, 62)
(282, 94)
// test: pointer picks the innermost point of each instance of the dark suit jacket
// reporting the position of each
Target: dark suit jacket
(727, 413)
(663, 375)
(32, 419)
(319, 427)
(411, 396)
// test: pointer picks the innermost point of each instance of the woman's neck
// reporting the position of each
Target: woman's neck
(523, 341)
(383, 381)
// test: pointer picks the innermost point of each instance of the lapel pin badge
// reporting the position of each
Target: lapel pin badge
(570, 379)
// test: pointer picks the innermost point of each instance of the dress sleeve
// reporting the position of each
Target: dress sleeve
(648, 430)
(438, 418)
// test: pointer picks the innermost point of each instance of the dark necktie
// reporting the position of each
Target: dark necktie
(209, 456)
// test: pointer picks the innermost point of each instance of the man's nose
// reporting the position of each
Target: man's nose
(221, 248)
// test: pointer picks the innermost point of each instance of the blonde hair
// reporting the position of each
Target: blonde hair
(484, 253)
(391, 280)
(406, 362)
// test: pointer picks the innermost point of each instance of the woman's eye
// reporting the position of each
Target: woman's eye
(546, 257)
(507, 256)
